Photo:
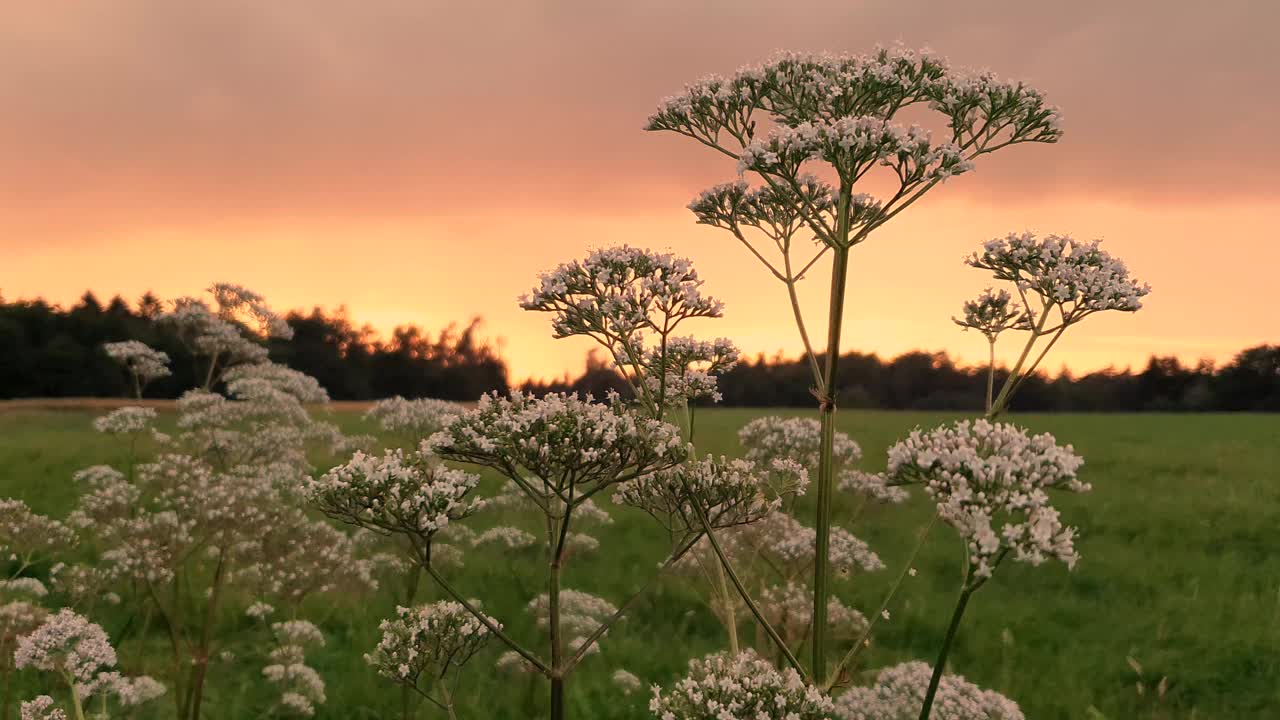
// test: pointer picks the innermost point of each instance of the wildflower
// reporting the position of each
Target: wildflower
(741, 686)
(25, 533)
(395, 493)
(1077, 277)
(42, 708)
(684, 369)
(419, 417)
(727, 492)
(980, 473)
(570, 448)
(125, 421)
(798, 439)
(899, 693)
(626, 682)
(789, 609)
(68, 644)
(142, 362)
(872, 486)
(421, 644)
(994, 312)
(580, 613)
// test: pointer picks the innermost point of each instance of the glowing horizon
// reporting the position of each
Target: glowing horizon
(395, 160)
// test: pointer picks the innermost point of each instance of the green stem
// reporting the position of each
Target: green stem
(826, 464)
(991, 373)
(938, 666)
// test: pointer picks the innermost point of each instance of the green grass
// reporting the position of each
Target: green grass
(1178, 572)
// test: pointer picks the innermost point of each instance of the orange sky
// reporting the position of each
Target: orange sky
(421, 161)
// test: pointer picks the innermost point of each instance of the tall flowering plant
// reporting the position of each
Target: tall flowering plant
(812, 129)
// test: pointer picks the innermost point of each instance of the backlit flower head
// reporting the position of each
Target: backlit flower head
(990, 481)
(620, 291)
(727, 491)
(395, 493)
(1078, 277)
(565, 445)
(799, 439)
(139, 359)
(993, 312)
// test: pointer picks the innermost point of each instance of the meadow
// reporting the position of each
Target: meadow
(1173, 611)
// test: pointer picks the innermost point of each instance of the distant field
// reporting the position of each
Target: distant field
(1180, 572)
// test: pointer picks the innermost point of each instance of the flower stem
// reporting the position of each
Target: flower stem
(956, 615)
(826, 468)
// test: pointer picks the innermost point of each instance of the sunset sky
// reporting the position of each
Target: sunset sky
(421, 161)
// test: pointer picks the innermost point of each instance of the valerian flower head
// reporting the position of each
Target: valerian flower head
(1078, 277)
(993, 312)
(396, 493)
(580, 613)
(238, 303)
(728, 492)
(143, 362)
(127, 420)
(421, 644)
(620, 291)
(873, 486)
(626, 682)
(419, 417)
(740, 686)
(899, 691)
(68, 644)
(23, 532)
(798, 439)
(685, 369)
(42, 707)
(567, 446)
(989, 481)
(789, 609)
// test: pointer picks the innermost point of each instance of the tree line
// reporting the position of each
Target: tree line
(932, 381)
(50, 351)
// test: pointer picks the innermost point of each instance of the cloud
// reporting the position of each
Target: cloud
(137, 112)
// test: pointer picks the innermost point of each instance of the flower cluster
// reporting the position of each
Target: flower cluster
(982, 473)
(580, 614)
(789, 609)
(612, 294)
(129, 420)
(568, 447)
(899, 691)
(301, 687)
(418, 418)
(993, 312)
(143, 363)
(422, 644)
(1077, 277)
(740, 686)
(413, 494)
(25, 533)
(684, 368)
(798, 439)
(727, 492)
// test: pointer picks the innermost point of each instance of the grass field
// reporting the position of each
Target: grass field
(1179, 572)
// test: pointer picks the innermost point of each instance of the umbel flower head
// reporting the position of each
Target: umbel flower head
(421, 644)
(143, 362)
(620, 291)
(67, 643)
(990, 481)
(559, 447)
(745, 685)
(798, 439)
(899, 691)
(993, 312)
(727, 491)
(419, 417)
(685, 369)
(1079, 278)
(395, 493)
(838, 110)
